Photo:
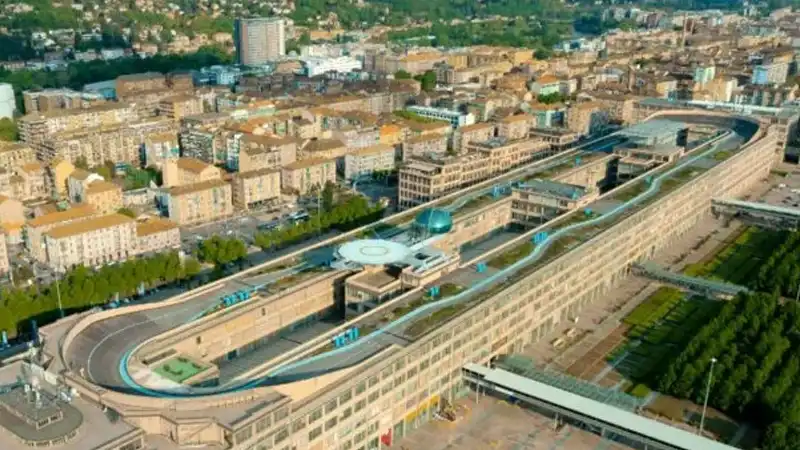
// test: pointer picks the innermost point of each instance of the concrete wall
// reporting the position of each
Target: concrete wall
(592, 175)
(230, 330)
(475, 225)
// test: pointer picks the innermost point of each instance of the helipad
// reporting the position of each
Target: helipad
(374, 252)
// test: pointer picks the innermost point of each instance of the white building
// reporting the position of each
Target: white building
(318, 66)
(8, 106)
(457, 119)
(377, 158)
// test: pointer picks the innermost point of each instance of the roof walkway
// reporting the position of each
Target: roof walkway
(702, 286)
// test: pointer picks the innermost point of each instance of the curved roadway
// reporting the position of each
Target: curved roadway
(101, 351)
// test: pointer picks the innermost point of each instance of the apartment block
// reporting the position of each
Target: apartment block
(322, 149)
(247, 152)
(78, 182)
(159, 148)
(38, 127)
(59, 172)
(117, 143)
(30, 182)
(204, 201)
(301, 176)
(35, 228)
(5, 266)
(156, 234)
(129, 86)
(103, 196)
(587, 118)
(428, 177)
(515, 127)
(366, 161)
(435, 144)
(620, 107)
(14, 155)
(91, 242)
(478, 132)
(259, 40)
(256, 188)
(187, 171)
(52, 99)
(180, 106)
(12, 218)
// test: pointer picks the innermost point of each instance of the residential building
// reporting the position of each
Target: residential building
(301, 176)
(52, 99)
(105, 197)
(428, 177)
(476, 132)
(322, 149)
(156, 234)
(91, 243)
(187, 171)
(35, 228)
(37, 128)
(620, 107)
(180, 106)
(256, 188)
(366, 161)
(546, 85)
(259, 40)
(159, 148)
(547, 116)
(515, 127)
(199, 202)
(14, 155)
(315, 66)
(32, 182)
(587, 118)
(246, 152)
(435, 144)
(78, 182)
(704, 74)
(129, 86)
(558, 138)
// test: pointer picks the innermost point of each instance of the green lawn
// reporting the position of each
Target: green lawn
(654, 307)
(511, 256)
(739, 259)
(179, 369)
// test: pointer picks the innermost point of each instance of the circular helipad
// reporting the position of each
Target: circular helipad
(373, 251)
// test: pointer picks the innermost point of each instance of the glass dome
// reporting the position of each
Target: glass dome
(435, 221)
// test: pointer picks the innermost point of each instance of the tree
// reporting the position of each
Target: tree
(428, 81)
(402, 75)
(8, 130)
(82, 163)
(328, 197)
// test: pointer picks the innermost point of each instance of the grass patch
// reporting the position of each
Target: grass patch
(179, 369)
(723, 155)
(654, 307)
(640, 391)
(511, 256)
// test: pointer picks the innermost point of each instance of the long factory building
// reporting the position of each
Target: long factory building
(259, 371)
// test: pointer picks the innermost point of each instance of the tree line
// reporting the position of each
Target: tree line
(345, 216)
(78, 74)
(221, 251)
(755, 376)
(82, 288)
(780, 273)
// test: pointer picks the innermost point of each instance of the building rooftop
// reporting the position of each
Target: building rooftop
(373, 150)
(319, 145)
(196, 187)
(74, 213)
(31, 167)
(154, 225)
(306, 163)
(89, 225)
(554, 189)
(475, 127)
(256, 173)
(100, 186)
(192, 164)
(654, 128)
(80, 174)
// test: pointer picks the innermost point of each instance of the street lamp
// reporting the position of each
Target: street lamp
(708, 390)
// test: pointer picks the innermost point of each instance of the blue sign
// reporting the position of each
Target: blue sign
(540, 237)
(434, 291)
(480, 267)
(577, 160)
(346, 337)
(235, 298)
(588, 212)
